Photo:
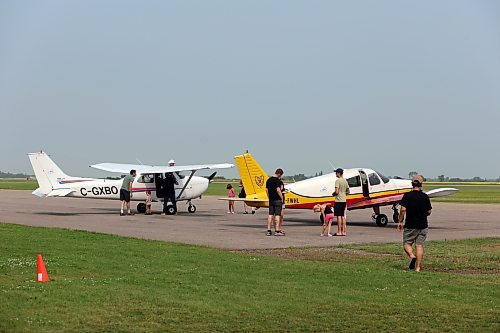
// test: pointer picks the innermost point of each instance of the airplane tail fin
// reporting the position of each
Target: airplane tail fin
(46, 171)
(252, 176)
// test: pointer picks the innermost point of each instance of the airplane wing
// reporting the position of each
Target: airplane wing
(394, 199)
(147, 169)
(243, 199)
(368, 203)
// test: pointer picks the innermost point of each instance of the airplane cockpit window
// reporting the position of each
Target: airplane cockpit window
(148, 178)
(181, 176)
(354, 181)
(373, 178)
(384, 178)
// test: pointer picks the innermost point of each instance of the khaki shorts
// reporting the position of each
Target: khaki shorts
(417, 236)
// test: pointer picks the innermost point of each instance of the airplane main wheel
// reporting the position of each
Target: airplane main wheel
(141, 208)
(170, 210)
(382, 220)
(192, 208)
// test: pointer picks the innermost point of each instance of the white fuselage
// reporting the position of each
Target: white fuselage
(91, 188)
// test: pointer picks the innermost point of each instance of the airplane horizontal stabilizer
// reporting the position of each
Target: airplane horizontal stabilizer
(60, 192)
(39, 192)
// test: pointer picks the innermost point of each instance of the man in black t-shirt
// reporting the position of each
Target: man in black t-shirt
(273, 189)
(169, 183)
(416, 205)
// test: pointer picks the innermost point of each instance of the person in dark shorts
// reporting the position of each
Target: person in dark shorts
(416, 205)
(339, 207)
(273, 189)
(126, 192)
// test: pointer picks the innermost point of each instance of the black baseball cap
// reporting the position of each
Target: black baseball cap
(339, 170)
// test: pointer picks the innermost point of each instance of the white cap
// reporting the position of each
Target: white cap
(171, 162)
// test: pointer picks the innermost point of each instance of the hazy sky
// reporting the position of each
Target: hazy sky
(392, 85)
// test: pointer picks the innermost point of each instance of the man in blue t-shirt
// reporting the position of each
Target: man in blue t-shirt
(416, 205)
(273, 189)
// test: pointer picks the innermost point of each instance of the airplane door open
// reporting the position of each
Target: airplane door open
(158, 183)
(364, 184)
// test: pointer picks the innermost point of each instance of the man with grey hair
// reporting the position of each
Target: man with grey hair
(416, 205)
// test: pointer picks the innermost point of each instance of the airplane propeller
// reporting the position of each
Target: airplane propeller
(211, 177)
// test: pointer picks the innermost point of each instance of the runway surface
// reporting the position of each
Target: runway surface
(212, 226)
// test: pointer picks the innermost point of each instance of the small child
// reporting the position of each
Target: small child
(149, 201)
(230, 194)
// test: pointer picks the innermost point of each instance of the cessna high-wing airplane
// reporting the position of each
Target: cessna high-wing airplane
(368, 189)
(54, 182)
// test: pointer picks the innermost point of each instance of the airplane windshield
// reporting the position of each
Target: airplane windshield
(384, 178)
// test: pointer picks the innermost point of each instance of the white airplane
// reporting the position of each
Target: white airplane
(368, 189)
(53, 182)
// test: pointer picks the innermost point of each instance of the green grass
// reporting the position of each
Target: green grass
(106, 283)
(469, 192)
(489, 194)
(17, 184)
(219, 188)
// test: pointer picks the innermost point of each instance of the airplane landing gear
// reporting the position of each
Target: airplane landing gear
(380, 219)
(141, 208)
(191, 208)
(170, 210)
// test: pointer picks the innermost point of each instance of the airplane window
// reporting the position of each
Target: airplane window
(354, 181)
(149, 178)
(373, 178)
(181, 176)
(384, 178)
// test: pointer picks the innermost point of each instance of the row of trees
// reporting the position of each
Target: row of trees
(13, 175)
(443, 178)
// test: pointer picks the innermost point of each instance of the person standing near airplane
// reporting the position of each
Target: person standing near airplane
(126, 192)
(275, 197)
(416, 205)
(339, 207)
(169, 183)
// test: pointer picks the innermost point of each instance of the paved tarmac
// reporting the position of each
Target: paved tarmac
(212, 226)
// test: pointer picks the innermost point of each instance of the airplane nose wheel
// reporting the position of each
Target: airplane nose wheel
(192, 208)
(141, 208)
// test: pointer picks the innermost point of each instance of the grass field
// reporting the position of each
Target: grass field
(103, 283)
(469, 192)
(17, 184)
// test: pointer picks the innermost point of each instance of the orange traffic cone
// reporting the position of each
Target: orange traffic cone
(41, 272)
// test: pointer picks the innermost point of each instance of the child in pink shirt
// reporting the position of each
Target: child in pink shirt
(230, 194)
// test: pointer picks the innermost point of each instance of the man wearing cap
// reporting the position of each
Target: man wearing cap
(339, 207)
(169, 183)
(416, 205)
(273, 189)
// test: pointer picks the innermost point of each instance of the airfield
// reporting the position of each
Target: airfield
(211, 225)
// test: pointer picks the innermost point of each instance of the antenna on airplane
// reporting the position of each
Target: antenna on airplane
(331, 164)
(138, 160)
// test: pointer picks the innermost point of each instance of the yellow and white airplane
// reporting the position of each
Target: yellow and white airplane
(368, 189)
(53, 182)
